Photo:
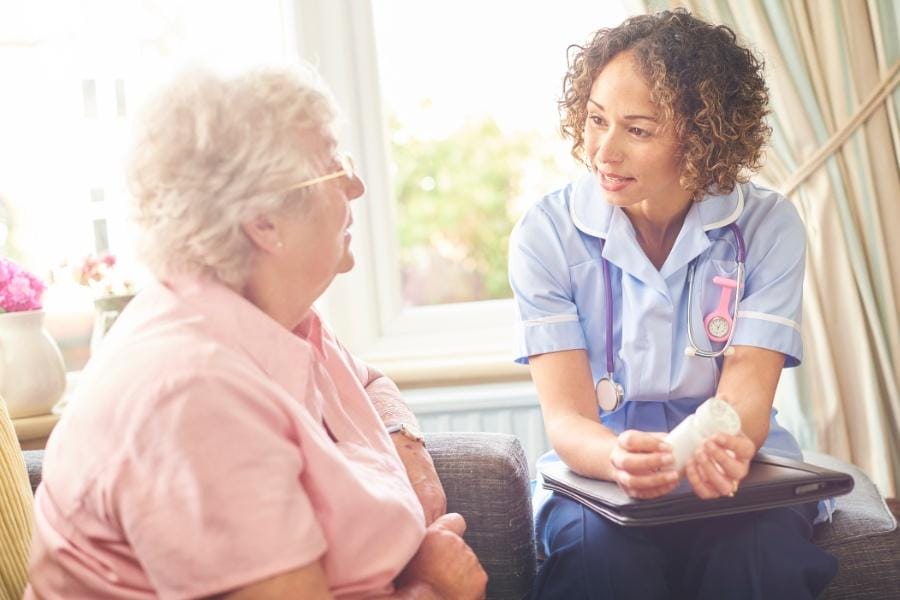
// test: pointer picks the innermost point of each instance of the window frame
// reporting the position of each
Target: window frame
(416, 346)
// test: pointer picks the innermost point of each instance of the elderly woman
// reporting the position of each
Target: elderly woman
(626, 284)
(223, 442)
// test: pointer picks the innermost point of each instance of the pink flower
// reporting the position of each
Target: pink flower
(101, 273)
(93, 268)
(19, 289)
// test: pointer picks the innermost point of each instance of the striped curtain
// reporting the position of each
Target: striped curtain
(833, 68)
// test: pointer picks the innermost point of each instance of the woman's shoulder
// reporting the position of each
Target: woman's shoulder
(167, 354)
(766, 212)
(550, 218)
(761, 201)
(769, 220)
(552, 207)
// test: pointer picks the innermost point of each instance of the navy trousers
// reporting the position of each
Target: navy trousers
(765, 555)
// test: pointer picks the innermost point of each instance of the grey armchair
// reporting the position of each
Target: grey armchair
(863, 536)
(486, 479)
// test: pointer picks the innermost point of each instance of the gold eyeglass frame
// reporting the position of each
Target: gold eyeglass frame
(348, 170)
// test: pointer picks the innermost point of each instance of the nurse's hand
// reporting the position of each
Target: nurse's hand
(719, 465)
(444, 564)
(642, 464)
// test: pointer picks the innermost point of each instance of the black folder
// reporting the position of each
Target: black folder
(771, 482)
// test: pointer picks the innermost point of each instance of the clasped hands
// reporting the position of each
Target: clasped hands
(444, 562)
(643, 464)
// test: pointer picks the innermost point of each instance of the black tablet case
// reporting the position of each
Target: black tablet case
(772, 482)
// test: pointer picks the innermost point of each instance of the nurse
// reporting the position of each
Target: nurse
(667, 113)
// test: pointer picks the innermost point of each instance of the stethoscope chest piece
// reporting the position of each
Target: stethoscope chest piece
(609, 394)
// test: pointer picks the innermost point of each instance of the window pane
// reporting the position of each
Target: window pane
(73, 72)
(470, 90)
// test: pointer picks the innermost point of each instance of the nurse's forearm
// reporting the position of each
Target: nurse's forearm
(569, 407)
(584, 445)
(749, 378)
(754, 422)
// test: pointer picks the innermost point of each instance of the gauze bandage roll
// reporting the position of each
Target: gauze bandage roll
(713, 416)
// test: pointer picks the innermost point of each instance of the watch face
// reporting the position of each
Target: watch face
(412, 432)
(408, 431)
(717, 327)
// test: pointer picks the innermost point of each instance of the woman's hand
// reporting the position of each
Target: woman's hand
(446, 563)
(719, 464)
(643, 464)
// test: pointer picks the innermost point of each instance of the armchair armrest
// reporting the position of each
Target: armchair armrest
(34, 459)
(863, 536)
(485, 476)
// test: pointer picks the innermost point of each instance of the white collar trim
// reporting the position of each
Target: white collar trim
(589, 212)
(738, 210)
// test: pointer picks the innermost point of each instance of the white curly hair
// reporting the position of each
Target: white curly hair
(212, 152)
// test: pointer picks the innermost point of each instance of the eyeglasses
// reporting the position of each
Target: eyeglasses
(348, 170)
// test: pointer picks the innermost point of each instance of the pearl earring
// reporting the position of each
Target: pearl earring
(279, 244)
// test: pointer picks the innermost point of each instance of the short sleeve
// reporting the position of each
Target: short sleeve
(546, 314)
(211, 497)
(771, 307)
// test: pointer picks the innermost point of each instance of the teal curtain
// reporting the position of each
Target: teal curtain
(824, 59)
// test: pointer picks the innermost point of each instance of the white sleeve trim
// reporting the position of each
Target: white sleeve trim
(550, 319)
(749, 314)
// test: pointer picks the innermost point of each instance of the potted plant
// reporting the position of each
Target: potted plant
(111, 291)
(32, 374)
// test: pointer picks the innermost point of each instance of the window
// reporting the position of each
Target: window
(451, 108)
(73, 71)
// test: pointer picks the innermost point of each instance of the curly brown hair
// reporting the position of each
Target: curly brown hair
(706, 85)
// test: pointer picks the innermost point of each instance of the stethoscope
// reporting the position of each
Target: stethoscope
(718, 324)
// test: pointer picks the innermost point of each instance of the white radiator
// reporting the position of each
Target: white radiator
(503, 408)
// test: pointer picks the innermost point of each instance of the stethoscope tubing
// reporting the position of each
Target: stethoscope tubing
(610, 365)
(693, 349)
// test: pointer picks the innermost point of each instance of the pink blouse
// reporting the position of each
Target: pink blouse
(208, 448)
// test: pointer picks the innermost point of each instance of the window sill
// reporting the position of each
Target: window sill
(409, 372)
(34, 431)
(423, 346)
(418, 372)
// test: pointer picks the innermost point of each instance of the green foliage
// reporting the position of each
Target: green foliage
(456, 203)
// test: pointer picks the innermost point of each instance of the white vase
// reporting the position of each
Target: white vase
(32, 374)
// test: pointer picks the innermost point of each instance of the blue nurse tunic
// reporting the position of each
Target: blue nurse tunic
(555, 270)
